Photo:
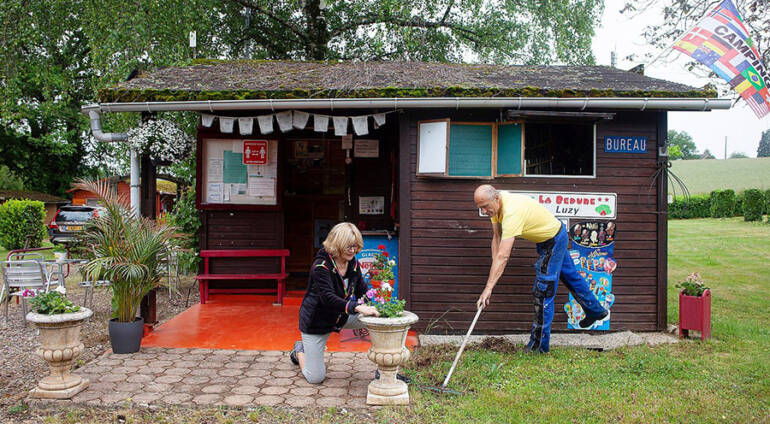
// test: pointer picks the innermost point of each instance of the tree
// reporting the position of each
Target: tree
(738, 155)
(763, 150)
(8, 180)
(55, 55)
(707, 155)
(529, 32)
(681, 145)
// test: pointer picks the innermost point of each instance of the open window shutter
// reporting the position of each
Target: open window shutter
(433, 137)
(509, 149)
(470, 150)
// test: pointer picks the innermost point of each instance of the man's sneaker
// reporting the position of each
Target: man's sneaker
(293, 354)
(587, 322)
(399, 376)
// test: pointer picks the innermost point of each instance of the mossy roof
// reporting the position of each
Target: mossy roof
(243, 79)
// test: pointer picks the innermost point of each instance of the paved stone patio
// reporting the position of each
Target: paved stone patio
(157, 376)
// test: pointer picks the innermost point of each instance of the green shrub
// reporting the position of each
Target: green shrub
(722, 203)
(22, 224)
(697, 206)
(753, 205)
(767, 205)
(186, 218)
(739, 198)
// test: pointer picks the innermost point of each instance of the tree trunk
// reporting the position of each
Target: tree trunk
(317, 31)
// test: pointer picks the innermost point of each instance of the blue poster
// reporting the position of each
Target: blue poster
(372, 244)
(593, 251)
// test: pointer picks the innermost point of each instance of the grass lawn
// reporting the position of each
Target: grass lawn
(726, 379)
(703, 176)
(47, 253)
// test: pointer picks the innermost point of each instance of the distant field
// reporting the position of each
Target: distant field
(703, 176)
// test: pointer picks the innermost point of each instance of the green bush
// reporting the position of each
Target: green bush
(186, 218)
(738, 211)
(22, 224)
(767, 205)
(753, 205)
(697, 206)
(722, 203)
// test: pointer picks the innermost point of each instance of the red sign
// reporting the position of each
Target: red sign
(255, 152)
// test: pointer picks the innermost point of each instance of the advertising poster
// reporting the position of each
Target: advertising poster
(366, 255)
(593, 248)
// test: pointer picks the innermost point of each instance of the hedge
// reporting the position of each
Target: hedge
(22, 221)
(753, 205)
(738, 211)
(767, 205)
(698, 206)
(722, 203)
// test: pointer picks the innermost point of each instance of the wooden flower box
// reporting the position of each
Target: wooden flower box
(695, 314)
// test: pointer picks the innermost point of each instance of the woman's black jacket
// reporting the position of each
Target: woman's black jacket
(326, 305)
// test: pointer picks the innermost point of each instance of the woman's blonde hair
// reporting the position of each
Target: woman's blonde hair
(340, 237)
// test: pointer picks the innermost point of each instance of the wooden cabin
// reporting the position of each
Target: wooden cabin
(586, 141)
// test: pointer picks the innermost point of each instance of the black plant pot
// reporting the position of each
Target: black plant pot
(126, 337)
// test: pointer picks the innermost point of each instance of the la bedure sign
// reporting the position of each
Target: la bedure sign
(576, 205)
(617, 144)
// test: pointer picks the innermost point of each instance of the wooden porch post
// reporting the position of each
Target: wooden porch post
(148, 308)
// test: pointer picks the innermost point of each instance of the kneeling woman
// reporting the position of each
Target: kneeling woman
(331, 299)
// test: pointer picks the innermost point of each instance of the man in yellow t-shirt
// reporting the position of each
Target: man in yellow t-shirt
(518, 215)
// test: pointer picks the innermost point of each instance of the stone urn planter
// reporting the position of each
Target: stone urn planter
(388, 351)
(59, 345)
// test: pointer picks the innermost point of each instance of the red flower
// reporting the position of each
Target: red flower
(385, 254)
(381, 247)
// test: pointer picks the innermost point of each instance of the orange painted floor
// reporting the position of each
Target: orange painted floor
(245, 322)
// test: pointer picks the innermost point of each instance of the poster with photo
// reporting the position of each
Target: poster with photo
(593, 249)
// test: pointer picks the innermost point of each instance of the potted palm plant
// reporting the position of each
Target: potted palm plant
(694, 306)
(388, 335)
(59, 322)
(127, 251)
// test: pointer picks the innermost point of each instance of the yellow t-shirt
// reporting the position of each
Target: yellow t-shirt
(522, 216)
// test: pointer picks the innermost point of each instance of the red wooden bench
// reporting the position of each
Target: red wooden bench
(203, 279)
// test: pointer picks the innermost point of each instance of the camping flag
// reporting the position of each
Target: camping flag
(721, 42)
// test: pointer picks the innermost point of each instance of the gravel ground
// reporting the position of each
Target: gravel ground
(21, 367)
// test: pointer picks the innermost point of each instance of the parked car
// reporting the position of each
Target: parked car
(69, 221)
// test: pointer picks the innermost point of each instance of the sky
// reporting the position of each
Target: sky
(622, 33)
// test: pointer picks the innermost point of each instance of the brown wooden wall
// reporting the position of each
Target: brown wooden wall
(448, 244)
(228, 230)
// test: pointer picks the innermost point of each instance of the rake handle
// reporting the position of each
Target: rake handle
(462, 347)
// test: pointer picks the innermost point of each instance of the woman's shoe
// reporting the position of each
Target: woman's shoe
(297, 349)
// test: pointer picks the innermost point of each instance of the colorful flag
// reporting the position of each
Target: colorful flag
(721, 42)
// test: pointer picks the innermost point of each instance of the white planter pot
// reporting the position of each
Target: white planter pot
(388, 351)
(59, 345)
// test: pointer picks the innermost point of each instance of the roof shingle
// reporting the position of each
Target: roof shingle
(229, 80)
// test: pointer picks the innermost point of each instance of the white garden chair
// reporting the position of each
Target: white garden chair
(21, 275)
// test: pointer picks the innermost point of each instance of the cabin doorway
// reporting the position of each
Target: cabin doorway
(313, 200)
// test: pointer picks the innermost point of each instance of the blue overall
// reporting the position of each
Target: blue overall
(554, 263)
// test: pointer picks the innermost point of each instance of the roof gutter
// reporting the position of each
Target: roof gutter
(581, 103)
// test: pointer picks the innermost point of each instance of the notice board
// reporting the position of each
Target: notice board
(226, 179)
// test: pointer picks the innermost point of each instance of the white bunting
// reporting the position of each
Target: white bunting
(226, 124)
(379, 120)
(360, 124)
(300, 119)
(207, 119)
(320, 123)
(265, 124)
(245, 125)
(340, 125)
(284, 120)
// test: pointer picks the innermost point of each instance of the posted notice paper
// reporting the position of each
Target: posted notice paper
(214, 193)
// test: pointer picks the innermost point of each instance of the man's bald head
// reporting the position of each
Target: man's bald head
(487, 199)
(484, 192)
